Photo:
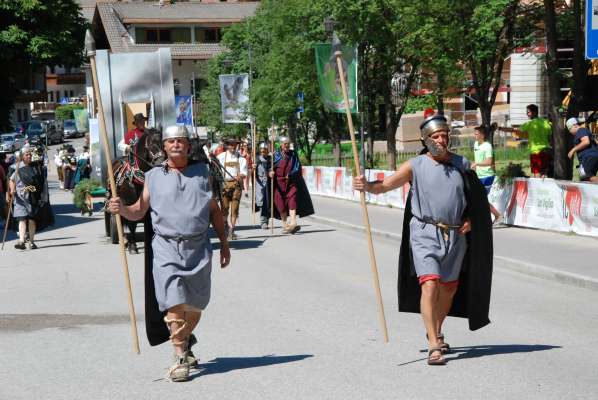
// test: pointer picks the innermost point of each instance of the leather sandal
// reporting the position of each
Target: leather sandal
(438, 359)
(445, 347)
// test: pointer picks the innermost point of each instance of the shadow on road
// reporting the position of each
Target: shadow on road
(62, 245)
(462, 353)
(240, 244)
(226, 364)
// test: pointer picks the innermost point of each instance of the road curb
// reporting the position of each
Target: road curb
(500, 262)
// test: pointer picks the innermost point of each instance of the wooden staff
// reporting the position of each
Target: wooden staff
(366, 219)
(12, 197)
(272, 181)
(254, 159)
(90, 47)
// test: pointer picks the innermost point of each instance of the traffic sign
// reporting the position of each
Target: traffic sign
(592, 30)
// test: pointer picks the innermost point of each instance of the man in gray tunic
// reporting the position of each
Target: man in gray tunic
(262, 189)
(182, 209)
(438, 226)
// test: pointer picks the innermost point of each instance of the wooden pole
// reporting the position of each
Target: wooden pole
(254, 159)
(119, 226)
(366, 218)
(12, 197)
(272, 181)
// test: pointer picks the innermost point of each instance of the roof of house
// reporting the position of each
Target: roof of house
(114, 18)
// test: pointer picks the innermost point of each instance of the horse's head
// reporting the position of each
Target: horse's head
(149, 149)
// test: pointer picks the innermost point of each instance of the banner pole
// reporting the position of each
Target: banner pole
(90, 47)
(366, 218)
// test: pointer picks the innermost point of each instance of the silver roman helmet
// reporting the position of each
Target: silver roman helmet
(175, 131)
(430, 125)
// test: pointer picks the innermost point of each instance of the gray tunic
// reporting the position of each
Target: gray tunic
(22, 204)
(182, 250)
(438, 196)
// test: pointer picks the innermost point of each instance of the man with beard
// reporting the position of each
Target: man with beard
(445, 265)
(262, 188)
(31, 200)
(179, 255)
(291, 197)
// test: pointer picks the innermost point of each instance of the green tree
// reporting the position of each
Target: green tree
(34, 34)
(66, 112)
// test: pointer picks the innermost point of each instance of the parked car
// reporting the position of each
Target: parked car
(70, 129)
(11, 142)
(38, 130)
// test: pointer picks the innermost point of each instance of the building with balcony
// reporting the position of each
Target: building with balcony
(191, 29)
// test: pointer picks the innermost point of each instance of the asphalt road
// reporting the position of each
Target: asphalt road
(290, 318)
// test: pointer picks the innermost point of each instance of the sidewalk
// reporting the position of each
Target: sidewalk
(565, 258)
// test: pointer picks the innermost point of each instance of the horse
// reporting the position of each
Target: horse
(129, 175)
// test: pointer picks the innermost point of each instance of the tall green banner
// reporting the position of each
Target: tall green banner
(328, 77)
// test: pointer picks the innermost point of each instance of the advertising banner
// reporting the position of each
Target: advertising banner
(329, 79)
(95, 149)
(534, 203)
(234, 98)
(81, 120)
(183, 110)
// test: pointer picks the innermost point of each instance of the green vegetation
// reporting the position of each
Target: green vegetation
(34, 34)
(66, 112)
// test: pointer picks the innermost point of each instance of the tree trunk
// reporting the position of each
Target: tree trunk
(579, 65)
(391, 129)
(561, 138)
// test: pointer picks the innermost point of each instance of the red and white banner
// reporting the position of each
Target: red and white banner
(534, 203)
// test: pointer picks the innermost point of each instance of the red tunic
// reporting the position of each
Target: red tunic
(285, 193)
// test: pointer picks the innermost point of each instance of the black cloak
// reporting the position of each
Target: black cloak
(34, 175)
(155, 327)
(305, 206)
(472, 299)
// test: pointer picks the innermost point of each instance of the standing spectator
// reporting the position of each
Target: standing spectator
(3, 191)
(484, 162)
(83, 168)
(245, 152)
(69, 167)
(58, 162)
(586, 149)
(3, 163)
(538, 131)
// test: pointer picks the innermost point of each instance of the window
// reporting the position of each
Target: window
(71, 93)
(163, 35)
(207, 35)
(51, 97)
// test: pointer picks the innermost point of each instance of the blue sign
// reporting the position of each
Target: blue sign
(300, 98)
(183, 110)
(591, 30)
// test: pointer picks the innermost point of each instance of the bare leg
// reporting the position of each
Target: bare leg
(22, 231)
(594, 179)
(445, 301)
(175, 319)
(428, 305)
(32, 227)
(293, 214)
(283, 217)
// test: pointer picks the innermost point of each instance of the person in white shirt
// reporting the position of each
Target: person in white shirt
(236, 170)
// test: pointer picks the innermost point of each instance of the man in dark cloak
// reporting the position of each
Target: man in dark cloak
(445, 265)
(291, 197)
